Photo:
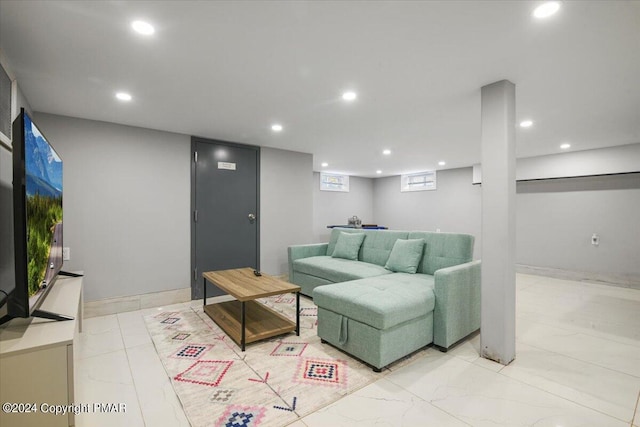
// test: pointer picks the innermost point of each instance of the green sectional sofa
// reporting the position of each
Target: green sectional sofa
(382, 294)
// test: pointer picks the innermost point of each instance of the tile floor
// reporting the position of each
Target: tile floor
(577, 364)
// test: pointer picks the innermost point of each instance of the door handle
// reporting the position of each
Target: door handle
(252, 218)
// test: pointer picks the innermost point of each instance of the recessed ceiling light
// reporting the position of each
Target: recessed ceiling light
(386, 152)
(123, 96)
(276, 127)
(349, 96)
(526, 123)
(546, 9)
(378, 171)
(565, 146)
(442, 163)
(324, 165)
(143, 28)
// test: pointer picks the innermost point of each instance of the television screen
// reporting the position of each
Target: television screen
(43, 198)
(37, 221)
(37, 212)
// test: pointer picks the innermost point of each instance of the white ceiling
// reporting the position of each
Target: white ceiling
(228, 70)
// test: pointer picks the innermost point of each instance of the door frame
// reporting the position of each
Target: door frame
(196, 276)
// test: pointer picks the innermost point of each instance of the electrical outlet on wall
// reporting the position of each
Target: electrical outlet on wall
(66, 254)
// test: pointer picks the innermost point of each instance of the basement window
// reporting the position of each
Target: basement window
(334, 182)
(422, 181)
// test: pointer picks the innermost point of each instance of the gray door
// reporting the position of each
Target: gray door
(224, 199)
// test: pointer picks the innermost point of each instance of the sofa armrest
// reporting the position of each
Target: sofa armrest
(305, 251)
(457, 310)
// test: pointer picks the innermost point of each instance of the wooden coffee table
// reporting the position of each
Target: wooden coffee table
(246, 320)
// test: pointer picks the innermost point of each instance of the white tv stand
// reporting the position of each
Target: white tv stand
(36, 360)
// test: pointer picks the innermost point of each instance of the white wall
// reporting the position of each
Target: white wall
(556, 219)
(21, 102)
(126, 205)
(453, 207)
(335, 208)
(286, 205)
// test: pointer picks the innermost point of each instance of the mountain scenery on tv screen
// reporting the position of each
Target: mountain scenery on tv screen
(44, 208)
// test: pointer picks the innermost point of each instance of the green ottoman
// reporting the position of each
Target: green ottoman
(379, 319)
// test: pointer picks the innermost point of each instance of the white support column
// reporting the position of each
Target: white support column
(497, 336)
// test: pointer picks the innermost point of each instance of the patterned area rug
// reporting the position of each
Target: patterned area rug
(273, 383)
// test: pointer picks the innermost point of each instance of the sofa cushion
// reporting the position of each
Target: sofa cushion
(337, 269)
(405, 256)
(443, 250)
(348, 245)
(380, 302)
(377, 244)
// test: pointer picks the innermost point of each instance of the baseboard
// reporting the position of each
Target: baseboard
(621, 280)
(135, 302)
(104, 307)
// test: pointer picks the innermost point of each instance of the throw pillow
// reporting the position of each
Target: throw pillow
(405, 256)
(348, 245)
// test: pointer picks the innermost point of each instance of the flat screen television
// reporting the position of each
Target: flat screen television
(37, 216)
